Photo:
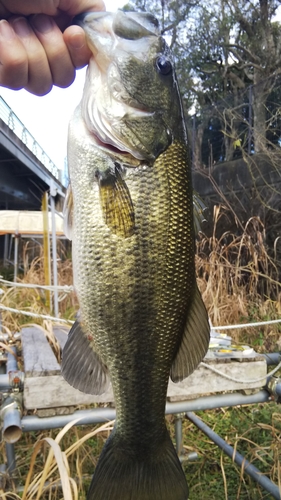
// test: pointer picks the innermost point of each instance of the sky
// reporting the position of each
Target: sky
(47, 117)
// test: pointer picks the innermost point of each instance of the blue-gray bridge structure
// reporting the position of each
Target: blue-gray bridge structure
(26, 171)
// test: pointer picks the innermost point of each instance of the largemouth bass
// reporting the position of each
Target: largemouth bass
(129, 214)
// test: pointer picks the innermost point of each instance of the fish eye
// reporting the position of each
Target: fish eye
(163, 65)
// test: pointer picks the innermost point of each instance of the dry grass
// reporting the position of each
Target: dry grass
(239, 282)
(57, 463)
(58, 467)
(35, 299)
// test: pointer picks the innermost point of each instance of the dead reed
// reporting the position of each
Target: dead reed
(35, 300)
(239, 281)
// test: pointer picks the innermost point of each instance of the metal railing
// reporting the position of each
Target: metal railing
(16, 125)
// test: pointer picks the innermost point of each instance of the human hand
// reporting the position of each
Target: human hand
(38, 46)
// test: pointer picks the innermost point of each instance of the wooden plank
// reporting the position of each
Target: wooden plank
(54, 391)
(39, 359)
(45, 387)
(61, 333)
(204, 381)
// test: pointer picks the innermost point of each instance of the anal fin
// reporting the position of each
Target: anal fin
(81, 366)
(195, 341)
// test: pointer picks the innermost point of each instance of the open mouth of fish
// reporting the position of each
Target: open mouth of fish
(109, 106)
(108, 146)
(109, 139)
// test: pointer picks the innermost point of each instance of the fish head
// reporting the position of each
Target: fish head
(131, 101)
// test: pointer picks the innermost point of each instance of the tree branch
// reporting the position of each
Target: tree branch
(244, 23)
(235, 78)
(253, 58)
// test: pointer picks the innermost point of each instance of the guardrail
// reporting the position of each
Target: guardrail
(16, 125)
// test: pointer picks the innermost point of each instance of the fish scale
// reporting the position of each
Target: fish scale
(141, 315)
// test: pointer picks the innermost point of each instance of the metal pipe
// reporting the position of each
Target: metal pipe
(11, 407)
(178, 433)
(272, 358)
(8, 381)
(274, 388)
(11, 457)
(46, 248)
(4, 382)
(217, 401)
(86, 417)
(250, 469)
(12, 364)
(15, 377)
(191, 457)
(11, 416)
(99, 415)
(3, 476)
(16, 256)
(53, 193)
(6, 247)
(10, 250)
(278, 390)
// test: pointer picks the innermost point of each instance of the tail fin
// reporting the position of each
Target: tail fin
(123, 474)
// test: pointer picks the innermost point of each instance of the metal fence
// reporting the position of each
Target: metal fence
(15, 124)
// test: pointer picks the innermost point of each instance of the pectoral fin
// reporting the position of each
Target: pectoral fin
(81, 366)
(195, 341)
(68, 213)
(116, 203)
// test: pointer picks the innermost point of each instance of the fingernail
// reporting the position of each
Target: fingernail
(42, 23)
(77, 41)
(6, 31)
(21, 26)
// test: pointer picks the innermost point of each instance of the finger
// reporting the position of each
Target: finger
(28, 7)
(74, 7)
(13, 58)
(51, 38)
(79, 51)
(39, 80)
(70, 8)
(50, 7)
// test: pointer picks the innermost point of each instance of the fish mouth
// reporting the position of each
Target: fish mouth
(107, 118)
(122, 155)
(110, 138)
(110, 147)
(108, 108)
